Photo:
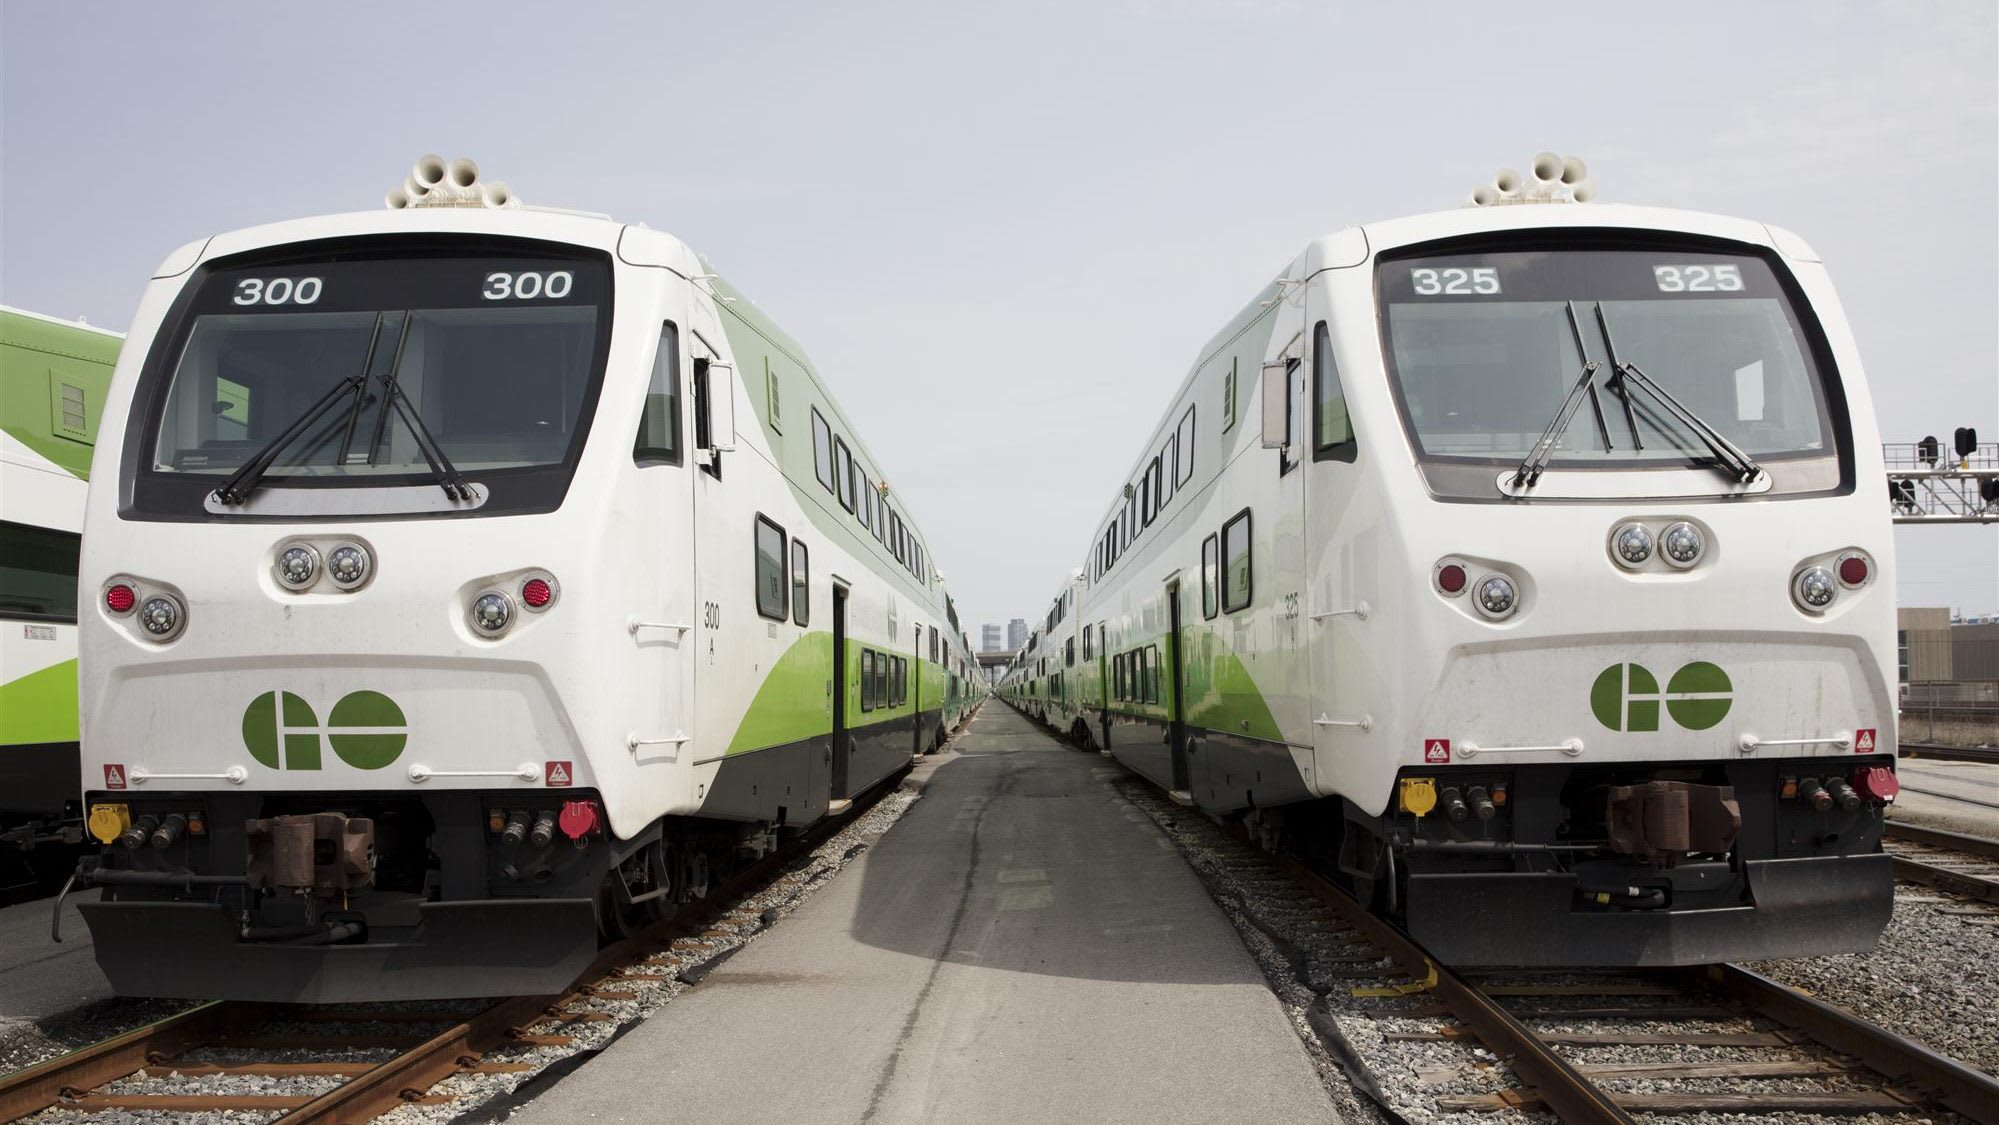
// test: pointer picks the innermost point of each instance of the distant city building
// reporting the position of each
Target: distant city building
(989, 638)
(1016, 633)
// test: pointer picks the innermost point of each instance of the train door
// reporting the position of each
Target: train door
(1341, 570)
(1278, 540)
(1175, 681)
(1103, 689)
(665, 644)
(915, 690)
(724, 538)
(837, 762)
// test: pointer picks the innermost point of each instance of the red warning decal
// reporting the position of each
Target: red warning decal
(556, 773)
(1437, 751)
(114, 776)
(1863, 740)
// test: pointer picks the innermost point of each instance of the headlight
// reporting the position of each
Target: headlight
(348, 565)
(162, 617)
(297, 566)
(1682, 544)
(1814, 588)
(1632, 544)
(1496, 596)
(492, 613)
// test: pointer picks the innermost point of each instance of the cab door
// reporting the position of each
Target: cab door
(1341, 598)
(1278, 533)
(724, 536)
(664, 626)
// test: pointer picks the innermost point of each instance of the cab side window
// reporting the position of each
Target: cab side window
(1332, 427)
(659, 424)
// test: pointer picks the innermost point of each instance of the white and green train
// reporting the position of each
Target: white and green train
(465, 583)
(1527, 563)
(53, 374)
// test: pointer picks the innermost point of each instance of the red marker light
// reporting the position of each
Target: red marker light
(1853, 570)
(120, 598)
(536, 592)
(578, 819)
(1451, 578)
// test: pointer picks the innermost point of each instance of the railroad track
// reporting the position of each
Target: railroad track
(1946, 753)
(1949, 861)
(1732, 1041)
(366, 1059)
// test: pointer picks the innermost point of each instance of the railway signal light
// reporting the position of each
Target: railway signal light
(1966, 442)
(1928, 449)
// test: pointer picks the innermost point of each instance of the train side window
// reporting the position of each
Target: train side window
(1183, 448)
(1158, 478)
(822, 449)
(801, 583)
(898, 688)
(1152, 673)
(1211, 556)
(843, 473)
(658, 440)
(1069, 652)
(1086, 644)
(38, 574)
(1117, 676)
(770, 569)
(1236, 586)
(895, 537)
(867, 679)
(866, 508)
(1162, 470)
(1332, 426)
(881, 680)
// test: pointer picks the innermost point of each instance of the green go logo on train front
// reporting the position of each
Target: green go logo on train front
(366, 729)
(1627, 697)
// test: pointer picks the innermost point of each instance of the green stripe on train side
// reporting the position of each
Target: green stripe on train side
(790, 704)
(38, 359)
(40, 706)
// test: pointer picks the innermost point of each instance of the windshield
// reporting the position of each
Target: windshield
(499, 356)
(1482, 352)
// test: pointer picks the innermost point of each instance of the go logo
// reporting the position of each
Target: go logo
(366, 728)
(1627, 697)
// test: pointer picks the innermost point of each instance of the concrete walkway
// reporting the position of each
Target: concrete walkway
(1017, 949)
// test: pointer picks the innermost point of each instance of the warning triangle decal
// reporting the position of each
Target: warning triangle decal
(1865, 741)
(558, 773)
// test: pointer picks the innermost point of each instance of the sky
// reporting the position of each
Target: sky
(1003, 231)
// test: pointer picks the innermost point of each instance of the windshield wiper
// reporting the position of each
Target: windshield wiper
(1536, 461)
(238, 488)
(442, 470)
(1728, 457)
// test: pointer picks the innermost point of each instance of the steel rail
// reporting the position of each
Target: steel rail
(1940, 838)
(1949, 1082)
(376, 1088)
(1944, 753)
(35, 1088)
(1554, 1081)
